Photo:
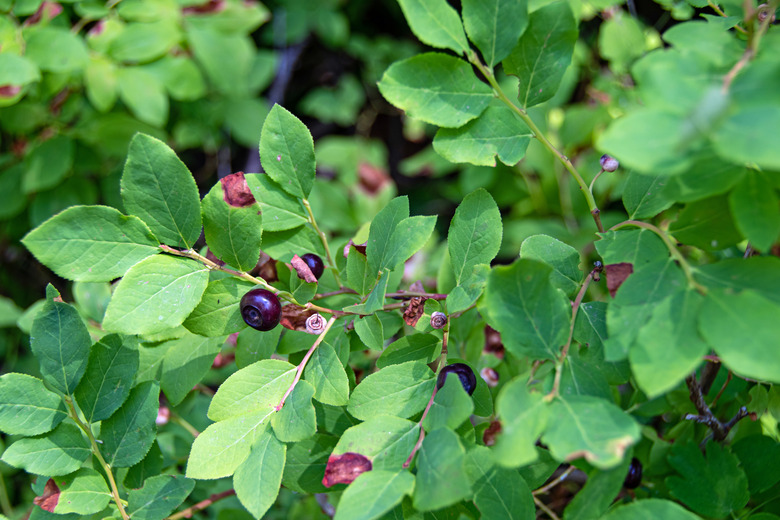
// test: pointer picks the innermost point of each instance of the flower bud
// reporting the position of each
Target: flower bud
(609, 163)
(438, 320)
(315, 324)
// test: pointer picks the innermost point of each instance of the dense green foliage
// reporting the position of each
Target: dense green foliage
(608, 315)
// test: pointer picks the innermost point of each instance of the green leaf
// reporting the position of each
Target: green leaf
(564, 259)
(586, 426)
(523, 418)
(369, 330)
(156, 294)
(712, 487)
(48, 164)
(580, 377)
(543, 53)
(144, 94)
(218, 313)
(408, 237)
(258, 387)
(756, 210)
(497, 132)
(253, 345)
(385, 440)
(475, 232)
(56, 49)
(530, 313)
(221, 448)
(100, 80)
(158, 498)
(425, 347)
(359, 278)
(746, 137)
(281, 211)
(382, 227)
(304, 468)
(187, 361)
(668, 347)
(590, 327)
(400, 390)
(296, 421)
(436, 88)
(9, 312)
(660, 133)
(621, 40)
(435, 23)
(84, 492)
(142, 42)
(17, 70)
(258, 478)
(374, 493)
(326, 373)
(129, 433)
(486, 24)
(650, 509)
(57, 453)
(232, 233)
(759, 273)
(27, 407)
(758, 457)
(226, 57)
(113, 363)
(600, 490)
(706, 224)
(635, 301)
(735, 325)
(634, 246)
(91, 243)
(499, 493)
(92, 299)
(287, 152)
(709, 175)
(450, 408)
(159, 189)
(441, 476)
(150, 466)
(645, 196)
(376, 298)
(61, 342)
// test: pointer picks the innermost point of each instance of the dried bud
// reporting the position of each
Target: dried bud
(609, 163)
(438, 320)
(490, 376)
(315, 324)
(163, 415)
(763, 12)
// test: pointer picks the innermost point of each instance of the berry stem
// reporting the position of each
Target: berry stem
(442, 361)
(558, 480)
(565, 351)
(676, 254)
(323, 239)
(203, 504)
(302, 364)
(73, 414)
(487, 72)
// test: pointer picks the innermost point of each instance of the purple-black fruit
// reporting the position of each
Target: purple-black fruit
(634, 475)
(261, 309)
(463, 371)
(315, 264)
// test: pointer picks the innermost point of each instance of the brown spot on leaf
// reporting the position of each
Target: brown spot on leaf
(237, 192)
(489, 437)
(360, 248)
(294, 317)
(50, 497)
(9, 91)
(343, 469)
(212, 6)
(616, 275)
(265, 268)
(303, 270)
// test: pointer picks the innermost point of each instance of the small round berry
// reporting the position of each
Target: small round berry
(315, 264)
(261, 309)
(609, 163)
(438, 320)
(634, 476)
(463, 371)
(763, 12)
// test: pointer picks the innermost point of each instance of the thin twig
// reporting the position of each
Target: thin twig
(705, 416)
(546, 509)
(561, 478)
(720, 12)
(715, 401)
(203, 504)
(302, 364)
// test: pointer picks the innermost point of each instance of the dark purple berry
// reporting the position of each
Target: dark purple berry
(463, 371)
(261, 309)
(315, 264)
(634, 476)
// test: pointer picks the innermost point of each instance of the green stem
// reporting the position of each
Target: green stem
(184, 424)
(720, 12)
(323, 239)
(534, 191)
(676, 254)
(96, 452)
(523, 115)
